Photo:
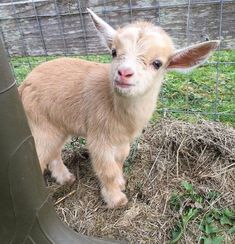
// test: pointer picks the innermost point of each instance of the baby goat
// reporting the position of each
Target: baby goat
(109, 104)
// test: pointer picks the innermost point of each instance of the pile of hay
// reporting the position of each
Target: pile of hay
(168, 153)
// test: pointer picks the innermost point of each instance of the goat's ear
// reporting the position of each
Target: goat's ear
(191, 57)
(106, 32)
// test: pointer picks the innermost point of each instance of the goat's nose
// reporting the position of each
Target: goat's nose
(125, 73)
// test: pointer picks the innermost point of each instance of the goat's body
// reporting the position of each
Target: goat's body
(67, 97)
(75, 95)
(56, 90)
(109, 104)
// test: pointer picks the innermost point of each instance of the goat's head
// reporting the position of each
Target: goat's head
(143, 52)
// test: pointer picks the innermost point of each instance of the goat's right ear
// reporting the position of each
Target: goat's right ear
(106, 32)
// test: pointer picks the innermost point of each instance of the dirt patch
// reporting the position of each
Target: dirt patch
(168, 153)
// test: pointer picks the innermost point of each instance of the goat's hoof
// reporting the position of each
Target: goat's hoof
(121, 202)
(118, 202)
(114, 200)
(67, 178)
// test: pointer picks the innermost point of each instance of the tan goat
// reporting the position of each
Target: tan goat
(109, 104)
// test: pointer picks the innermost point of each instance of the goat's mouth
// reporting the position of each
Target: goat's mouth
(122, 84)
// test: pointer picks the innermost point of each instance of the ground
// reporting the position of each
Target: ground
(180, 185)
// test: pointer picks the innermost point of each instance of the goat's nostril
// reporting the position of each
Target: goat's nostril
(125, 73)
(129, 75)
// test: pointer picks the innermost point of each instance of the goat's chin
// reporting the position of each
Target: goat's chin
(128, 92)
(131, 91)
(125, 92)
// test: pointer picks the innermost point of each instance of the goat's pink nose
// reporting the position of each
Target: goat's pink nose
(125, 73)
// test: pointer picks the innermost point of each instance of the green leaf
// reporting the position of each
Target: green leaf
(217, 240)
(199, 198)
(208, 219)
(175, 201)
(212, 240)
(224, 220)
(176, 234)
(206, 240)
(82, 141)
(231, 231)
(191, 214)
(212, 195)
(187, 186)
(229, 213)
(211, 229)
(202, 227)
(216, 213)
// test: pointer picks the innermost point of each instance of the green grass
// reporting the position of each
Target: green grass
(184, 96)
(23, 65)
(198, 210)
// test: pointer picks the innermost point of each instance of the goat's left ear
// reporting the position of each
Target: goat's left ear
(106, 32)
(191, 57)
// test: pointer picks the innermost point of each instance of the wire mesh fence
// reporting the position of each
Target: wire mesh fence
(34, 31)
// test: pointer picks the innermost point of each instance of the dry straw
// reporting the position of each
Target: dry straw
(168, 153)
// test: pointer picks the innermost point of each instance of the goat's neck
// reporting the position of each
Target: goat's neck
(137, 110)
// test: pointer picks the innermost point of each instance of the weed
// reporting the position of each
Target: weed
(211, 221)
(131, 156)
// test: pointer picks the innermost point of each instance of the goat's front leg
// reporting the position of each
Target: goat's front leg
(121, 153)
(109, 173)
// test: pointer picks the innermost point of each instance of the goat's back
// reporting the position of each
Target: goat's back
(60, 91)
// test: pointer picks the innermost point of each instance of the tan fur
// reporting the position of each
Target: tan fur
(68, 96)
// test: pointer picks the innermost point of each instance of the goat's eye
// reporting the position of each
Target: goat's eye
(114, 52)
(157, 64)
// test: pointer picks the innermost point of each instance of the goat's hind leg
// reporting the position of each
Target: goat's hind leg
(49, 142)
(60, 172)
